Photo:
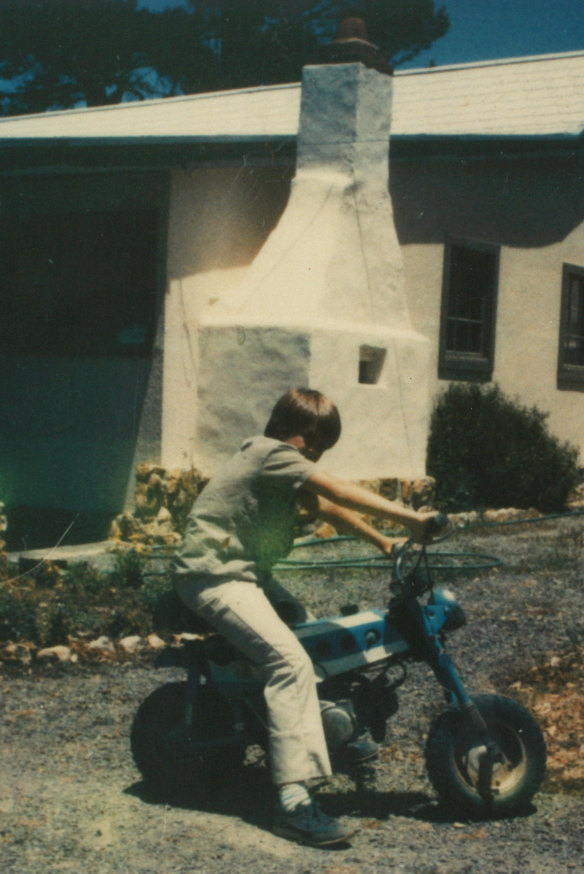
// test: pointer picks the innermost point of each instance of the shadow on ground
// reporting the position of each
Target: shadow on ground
(250, 797)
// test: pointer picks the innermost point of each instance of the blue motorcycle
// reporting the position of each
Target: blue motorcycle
(485, 754)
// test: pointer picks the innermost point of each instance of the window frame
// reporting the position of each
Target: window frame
(468, 366)
(569, 376)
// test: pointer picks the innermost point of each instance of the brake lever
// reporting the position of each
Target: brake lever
(399, 579)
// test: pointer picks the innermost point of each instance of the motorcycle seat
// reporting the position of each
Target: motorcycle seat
(171, 614)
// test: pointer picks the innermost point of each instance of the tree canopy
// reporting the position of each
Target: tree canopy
(62, 53)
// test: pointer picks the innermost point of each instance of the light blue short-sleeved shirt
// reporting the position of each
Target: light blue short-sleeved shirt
(243, 520)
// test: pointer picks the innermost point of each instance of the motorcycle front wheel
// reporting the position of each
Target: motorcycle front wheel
(171, 756)
(454, 759)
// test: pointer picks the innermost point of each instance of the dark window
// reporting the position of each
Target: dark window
(371, 359)
(571, 352)
(78, 283)
(469, 299)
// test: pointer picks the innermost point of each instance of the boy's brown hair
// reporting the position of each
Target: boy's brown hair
(308, 413)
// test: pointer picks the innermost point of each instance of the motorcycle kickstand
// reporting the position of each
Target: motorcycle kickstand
(365, 777)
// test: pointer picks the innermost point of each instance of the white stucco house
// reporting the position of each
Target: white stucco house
(169, 268)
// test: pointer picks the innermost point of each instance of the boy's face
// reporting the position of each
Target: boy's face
(312, 449)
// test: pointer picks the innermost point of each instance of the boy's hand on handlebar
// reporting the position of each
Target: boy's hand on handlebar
(427, 526)
(388, 545)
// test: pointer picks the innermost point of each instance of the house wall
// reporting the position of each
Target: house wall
(534, 209)
(325, 290)
(75, 428)
(74, 425)
(219, 218)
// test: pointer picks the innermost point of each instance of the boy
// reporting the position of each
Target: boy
(239, 526)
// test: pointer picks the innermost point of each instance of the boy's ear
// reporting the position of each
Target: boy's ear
(297, 441)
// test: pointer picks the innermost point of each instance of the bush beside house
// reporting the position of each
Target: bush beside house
(487, 450)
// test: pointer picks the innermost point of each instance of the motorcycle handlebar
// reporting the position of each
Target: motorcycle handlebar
(438, 528)
(438, 524)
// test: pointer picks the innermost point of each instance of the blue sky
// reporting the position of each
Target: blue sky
(486, 29)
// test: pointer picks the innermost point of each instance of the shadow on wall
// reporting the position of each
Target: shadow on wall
(221, 217)
(523, 202)
(68, 444)
(78, 295)
(44, 527)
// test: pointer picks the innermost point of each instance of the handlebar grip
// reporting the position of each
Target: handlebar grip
(437, 523)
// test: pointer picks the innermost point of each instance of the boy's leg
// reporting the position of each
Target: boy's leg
(242, 613)
(288, 608)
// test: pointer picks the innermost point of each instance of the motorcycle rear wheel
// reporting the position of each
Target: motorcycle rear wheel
(166, 752)
(453, 759)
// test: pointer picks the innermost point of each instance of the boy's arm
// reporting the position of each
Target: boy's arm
(346, 494)
(348, 522)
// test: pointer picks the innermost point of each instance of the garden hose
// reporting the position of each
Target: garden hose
(371, 562)
(477, 561)
(481, 561)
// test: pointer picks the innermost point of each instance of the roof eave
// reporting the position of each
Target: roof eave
(78, 153)
(147, 153)
(485, 146)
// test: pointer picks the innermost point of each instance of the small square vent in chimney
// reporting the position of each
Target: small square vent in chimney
(371, 360)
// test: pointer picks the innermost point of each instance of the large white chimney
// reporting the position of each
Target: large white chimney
(324, 304)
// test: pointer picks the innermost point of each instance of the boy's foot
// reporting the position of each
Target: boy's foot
(307, 824)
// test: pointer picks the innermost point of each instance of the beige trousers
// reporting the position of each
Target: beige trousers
(242, 613)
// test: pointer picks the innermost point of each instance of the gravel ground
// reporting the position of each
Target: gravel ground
(72, 800)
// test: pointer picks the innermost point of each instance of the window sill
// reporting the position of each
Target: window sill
(571, 379)
(465, 369)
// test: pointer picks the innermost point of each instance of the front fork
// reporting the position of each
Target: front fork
(475, 728)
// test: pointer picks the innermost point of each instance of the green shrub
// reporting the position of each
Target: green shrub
(127, 620)
(53, 624)
(85, 582)
(17, 614)
(154, 588)
(486, 450)
(5, 570)
(46, 575)
(130, 565)
(46, 608)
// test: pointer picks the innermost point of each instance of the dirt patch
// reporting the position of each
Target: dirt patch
(72, 799)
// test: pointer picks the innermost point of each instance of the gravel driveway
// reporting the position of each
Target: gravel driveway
(72, 800)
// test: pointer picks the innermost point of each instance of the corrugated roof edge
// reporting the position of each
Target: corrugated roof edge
(495, 62)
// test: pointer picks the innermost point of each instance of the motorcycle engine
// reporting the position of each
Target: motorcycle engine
(339, 723)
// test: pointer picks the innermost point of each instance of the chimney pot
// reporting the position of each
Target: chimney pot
(351, 45)
(351, 27)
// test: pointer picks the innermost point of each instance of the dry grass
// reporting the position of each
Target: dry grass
(554, 692)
